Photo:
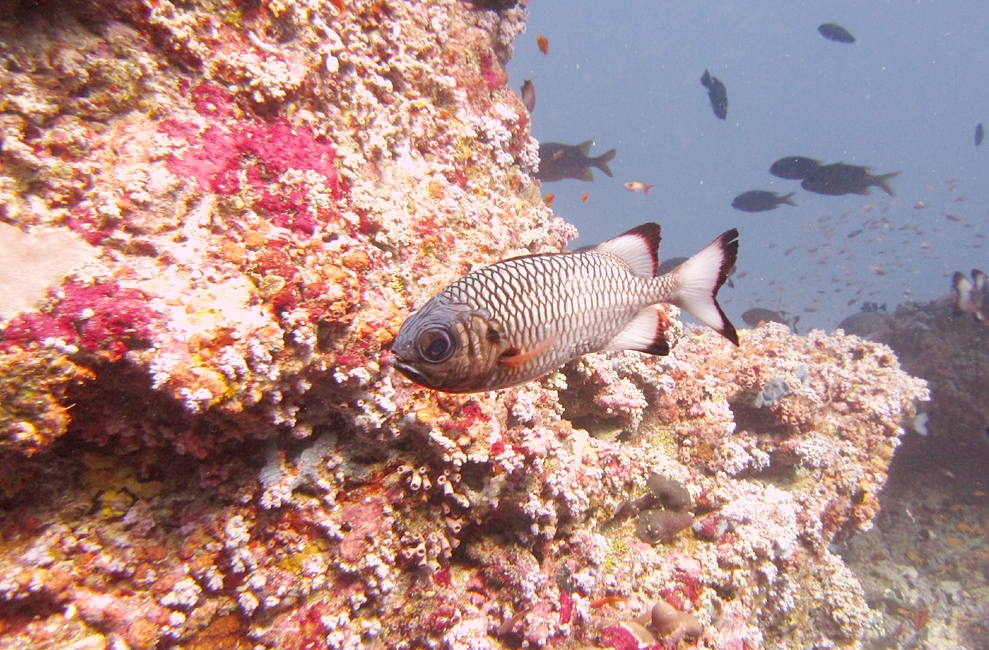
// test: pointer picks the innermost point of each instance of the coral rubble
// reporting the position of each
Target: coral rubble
(201, 441)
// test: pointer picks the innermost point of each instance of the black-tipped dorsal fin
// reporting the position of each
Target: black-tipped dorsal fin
(646, 332)
(639, 247)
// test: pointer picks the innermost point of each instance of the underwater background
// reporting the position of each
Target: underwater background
(216, 215)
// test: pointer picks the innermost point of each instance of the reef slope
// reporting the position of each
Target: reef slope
(200, 442)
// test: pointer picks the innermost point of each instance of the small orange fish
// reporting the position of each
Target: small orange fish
(637, 186)
(583, 198)
(543, 44)
(548, 200)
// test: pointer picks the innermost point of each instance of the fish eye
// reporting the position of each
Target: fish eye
(435, 345)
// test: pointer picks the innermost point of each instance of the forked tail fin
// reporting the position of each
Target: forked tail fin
(880, 181)
(700, 279)
(601, 162)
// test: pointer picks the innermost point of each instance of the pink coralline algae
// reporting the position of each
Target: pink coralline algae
(202, 442)
(102, 318)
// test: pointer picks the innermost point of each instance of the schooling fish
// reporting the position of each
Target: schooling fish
(717, 93)
(521, 318)
(835, 32)
(760, 201)
(558, 161)
(794, 168)
(838, 179)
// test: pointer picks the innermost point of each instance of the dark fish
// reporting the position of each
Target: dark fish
(838, 179)
(760, 201)
(668, 265)
(518, 319)
(494, 5)
(794, 168)
(980, 134)
(835, 32)
(558, 161)
(718, 94)
(528, 95)
(759, 316)
(864, 323)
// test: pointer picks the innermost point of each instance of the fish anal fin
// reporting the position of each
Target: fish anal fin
(639, 247)
(587, 175)
(513, 357)
(646, 332)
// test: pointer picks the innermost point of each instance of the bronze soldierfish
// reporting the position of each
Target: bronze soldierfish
(518, 319)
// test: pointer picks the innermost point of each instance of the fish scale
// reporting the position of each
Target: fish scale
(518, 319)
(524, 291)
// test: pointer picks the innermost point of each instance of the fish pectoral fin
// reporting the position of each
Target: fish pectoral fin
(513, 357)
(646, 332)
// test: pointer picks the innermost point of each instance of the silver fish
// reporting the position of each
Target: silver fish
(520, 318)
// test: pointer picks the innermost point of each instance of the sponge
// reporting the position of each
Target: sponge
(32, 263)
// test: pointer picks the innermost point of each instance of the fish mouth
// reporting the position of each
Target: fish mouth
(405, 368)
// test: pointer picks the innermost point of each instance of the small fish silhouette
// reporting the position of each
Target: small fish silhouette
(717, 93)
(835, 32)
(528, 95)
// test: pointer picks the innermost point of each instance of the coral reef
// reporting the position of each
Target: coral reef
(202, 443)
(924, 566)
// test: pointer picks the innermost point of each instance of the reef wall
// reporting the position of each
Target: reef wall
(224, 212)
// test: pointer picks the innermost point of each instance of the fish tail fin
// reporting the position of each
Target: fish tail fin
(880, 181)
(601, 162)
(647, 188)
(788, 199)
(700, 279)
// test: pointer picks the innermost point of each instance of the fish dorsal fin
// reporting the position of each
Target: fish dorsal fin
(639, 247)
(585, 146)
(646, 332)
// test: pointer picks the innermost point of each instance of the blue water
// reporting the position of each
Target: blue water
(905, 97)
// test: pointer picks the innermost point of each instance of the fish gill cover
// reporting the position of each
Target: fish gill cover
(201, 444)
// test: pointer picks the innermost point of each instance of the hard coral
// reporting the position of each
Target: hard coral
(33, 411)
(270, 197)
